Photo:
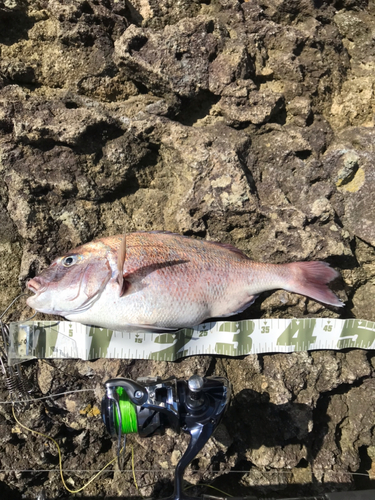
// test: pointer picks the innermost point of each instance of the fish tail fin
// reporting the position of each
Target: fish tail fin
(310, 279)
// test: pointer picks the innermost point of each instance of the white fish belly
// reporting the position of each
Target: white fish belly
(144, 308)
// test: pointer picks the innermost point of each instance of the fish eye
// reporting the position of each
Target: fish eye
(69, 261)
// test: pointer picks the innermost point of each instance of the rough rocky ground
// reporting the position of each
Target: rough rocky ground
(247, 122)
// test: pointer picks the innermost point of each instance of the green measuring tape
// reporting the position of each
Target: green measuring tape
(64, 339)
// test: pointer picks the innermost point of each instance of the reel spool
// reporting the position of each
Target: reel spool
(149, 405)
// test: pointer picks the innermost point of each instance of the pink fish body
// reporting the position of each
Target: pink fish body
(169, 281)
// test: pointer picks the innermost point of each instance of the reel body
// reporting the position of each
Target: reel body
(150, 405)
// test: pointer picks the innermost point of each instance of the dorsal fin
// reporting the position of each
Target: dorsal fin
(121, 256)
(228, 246)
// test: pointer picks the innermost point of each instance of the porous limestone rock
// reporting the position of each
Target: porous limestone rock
(245, 122)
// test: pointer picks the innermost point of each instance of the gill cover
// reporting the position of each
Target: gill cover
(94, 277)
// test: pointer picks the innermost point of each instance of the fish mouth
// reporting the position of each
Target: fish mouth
(36, 285)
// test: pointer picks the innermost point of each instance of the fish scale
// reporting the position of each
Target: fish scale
(170, 281)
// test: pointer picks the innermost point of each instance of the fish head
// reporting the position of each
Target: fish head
(73, 282)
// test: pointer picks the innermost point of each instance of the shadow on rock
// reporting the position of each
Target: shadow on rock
(14, 24)
(255, 422)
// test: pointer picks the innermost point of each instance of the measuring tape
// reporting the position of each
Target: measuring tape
(65, 339)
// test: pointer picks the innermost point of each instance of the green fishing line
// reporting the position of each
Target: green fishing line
(128, 413)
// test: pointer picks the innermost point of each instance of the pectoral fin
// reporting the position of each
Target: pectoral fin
(121, 256)
(125, 285)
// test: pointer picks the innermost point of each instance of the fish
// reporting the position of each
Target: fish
(165, 281)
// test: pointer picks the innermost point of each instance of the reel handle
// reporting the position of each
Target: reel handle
(199, 437)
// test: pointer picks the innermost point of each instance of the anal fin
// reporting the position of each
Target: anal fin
(244, 306)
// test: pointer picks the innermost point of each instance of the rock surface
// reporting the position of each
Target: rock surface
(245, 122)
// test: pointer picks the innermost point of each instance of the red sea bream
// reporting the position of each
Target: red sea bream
(168, 281)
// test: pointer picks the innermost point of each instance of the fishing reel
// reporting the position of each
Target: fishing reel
(150, 405)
